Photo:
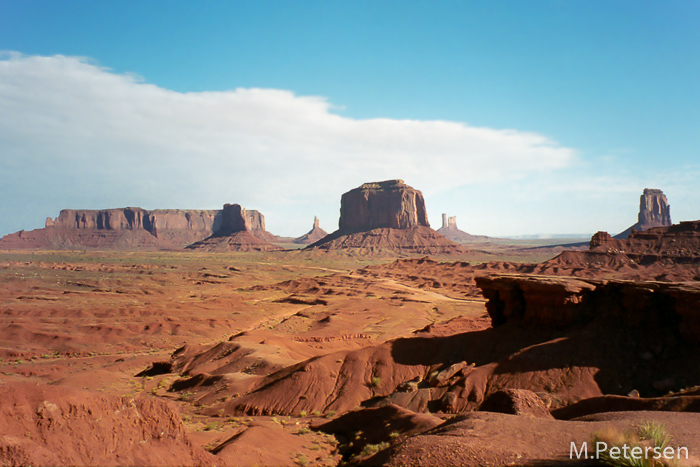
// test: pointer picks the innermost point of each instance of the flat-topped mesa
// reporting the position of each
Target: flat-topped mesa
(107, 219)
(136, 219)
(388, 215)
(388, 204)
(137, 229)
(654, 211)
(118, 229)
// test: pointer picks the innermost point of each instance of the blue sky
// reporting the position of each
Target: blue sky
(518, 117)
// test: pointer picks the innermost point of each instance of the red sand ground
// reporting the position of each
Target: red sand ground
(256, 347)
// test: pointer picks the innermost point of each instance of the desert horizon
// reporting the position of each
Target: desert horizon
(348, 234)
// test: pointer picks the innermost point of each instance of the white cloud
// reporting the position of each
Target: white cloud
(71, 130)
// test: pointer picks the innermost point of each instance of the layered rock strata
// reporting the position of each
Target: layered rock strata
(654, 211)
(558, 302)
(130, 228)
(389, 204)
(120, 229)
(388, 215)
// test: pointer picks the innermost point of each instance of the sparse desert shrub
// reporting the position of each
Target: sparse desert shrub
(184, 396)
(211, 426)
(302, 413)
(644, 446)
(375, 381)
(371, 449)
(301, 460)
(330, 414)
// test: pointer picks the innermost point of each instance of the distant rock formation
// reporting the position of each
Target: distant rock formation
(129, 228)
(121, 229)
(680, 241)
(237, 232)
(449, 229)
(654, 211)
(389, 204)
(388, 215)
(315, 234)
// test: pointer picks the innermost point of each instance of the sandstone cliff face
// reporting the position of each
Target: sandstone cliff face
(136, 228)
(388, 204)
(556, 302)
(654, 211)
(233, 219)
(137, 219)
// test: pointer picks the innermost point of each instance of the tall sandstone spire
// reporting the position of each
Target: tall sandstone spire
(654, 211)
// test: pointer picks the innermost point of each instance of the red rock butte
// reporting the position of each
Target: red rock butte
(237, 232)
(654, 211)
(388, 215)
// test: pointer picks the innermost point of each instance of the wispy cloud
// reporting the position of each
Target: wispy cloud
(71, 130)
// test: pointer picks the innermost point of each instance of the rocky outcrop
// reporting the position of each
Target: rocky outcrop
(48, 425)
(388, 215)
(237, 232)
(315, 234)
(679, 241)
(516, 402)
(654, 211)
(449, 229)
(389, 204)
(134, 228)
(558, 302)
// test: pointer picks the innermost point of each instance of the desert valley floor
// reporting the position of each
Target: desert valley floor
(327, 357)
